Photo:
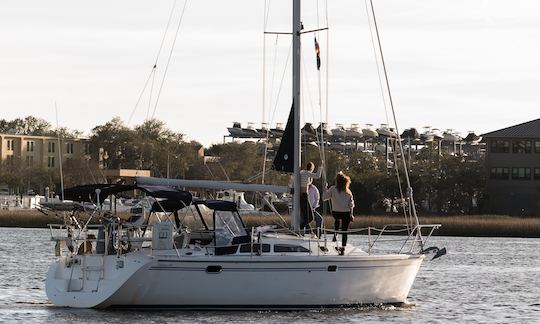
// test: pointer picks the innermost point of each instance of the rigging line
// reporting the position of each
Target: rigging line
(264, 91)
(170, 56)
(317, 33)
(409, 188)
(267, 13)
(274, 72)
(140, 95)
(327, 57)
(150, 95)
(321, 146)
(319, 139)
(155, 64)
(264, 66)
(277, 98)
(165, 33)
(327, 68)
(396, 167)
(377, 63)
(59, 152)
(281, 83)
(306, 79)
(90, 171)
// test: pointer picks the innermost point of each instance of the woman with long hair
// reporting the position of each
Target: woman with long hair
(342, 202)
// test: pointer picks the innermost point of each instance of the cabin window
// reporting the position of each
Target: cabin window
(246, 248)
(521, 173)
(536, 173)
(500, 146)
(521, 146)
(227, 225)
(289, 248)
(499, 173)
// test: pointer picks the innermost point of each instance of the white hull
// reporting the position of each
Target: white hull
(287, 282)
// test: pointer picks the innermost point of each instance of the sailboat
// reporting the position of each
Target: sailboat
(158, 260)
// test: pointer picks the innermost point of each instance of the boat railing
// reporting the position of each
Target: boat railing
(74, 237)
(410, 237)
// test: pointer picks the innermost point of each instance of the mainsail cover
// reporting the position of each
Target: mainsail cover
(284, 160)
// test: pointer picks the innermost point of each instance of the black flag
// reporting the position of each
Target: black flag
(318, 52)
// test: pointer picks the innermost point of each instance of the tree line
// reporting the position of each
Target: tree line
(443, 183)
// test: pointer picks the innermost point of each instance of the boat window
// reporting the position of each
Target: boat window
(289, 248)
(227, 226)
(246, 248)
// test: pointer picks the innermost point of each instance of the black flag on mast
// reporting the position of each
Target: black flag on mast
(284, 160)
(318, 52)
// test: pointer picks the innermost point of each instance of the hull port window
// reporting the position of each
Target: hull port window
(246, 248)
(289, 248)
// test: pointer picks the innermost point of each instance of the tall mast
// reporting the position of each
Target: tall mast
(296, 50)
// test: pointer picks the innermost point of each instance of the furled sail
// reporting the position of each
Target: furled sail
(284, 160)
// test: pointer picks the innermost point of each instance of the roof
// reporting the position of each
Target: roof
(39, 137)
(530, 129)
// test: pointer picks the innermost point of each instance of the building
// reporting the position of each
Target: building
(41, 151)
(124, 176)
(513, 166)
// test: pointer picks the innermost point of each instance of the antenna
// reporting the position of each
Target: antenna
(59, 152)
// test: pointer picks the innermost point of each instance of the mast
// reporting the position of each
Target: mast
(296, 51)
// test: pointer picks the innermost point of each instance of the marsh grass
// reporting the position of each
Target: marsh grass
(25, 218)
(470, 225)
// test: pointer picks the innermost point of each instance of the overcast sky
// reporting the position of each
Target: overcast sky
(459, 64)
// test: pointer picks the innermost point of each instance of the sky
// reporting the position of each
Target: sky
(452, 64)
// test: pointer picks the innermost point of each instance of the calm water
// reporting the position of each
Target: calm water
(495, 280)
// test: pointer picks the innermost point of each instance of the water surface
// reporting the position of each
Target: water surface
(495, 280)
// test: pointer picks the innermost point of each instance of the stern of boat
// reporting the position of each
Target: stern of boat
(85, 281)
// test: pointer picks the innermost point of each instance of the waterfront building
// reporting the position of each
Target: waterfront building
(513, 166)
(41, 151)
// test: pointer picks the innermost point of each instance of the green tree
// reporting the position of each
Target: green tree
(116, 145)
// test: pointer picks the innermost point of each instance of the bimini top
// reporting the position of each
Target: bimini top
(168, 199)
(218, 204)
(88, 193)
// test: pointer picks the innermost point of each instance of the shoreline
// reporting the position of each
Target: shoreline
(470, 225)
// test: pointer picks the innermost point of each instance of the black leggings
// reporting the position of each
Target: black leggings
(306, 213)
(344, 218)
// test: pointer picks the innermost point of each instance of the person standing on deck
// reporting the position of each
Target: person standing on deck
(342, 206)
(306, 178)
(314, 197)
